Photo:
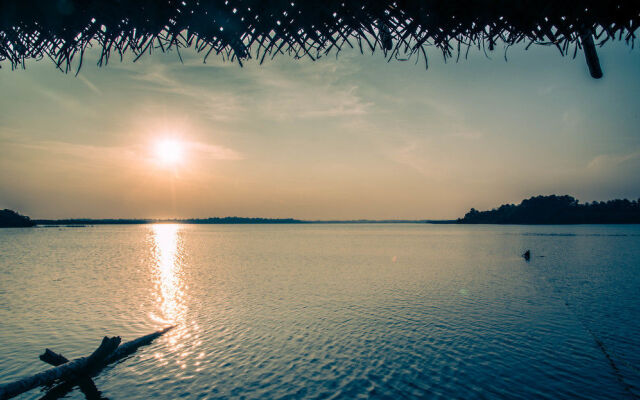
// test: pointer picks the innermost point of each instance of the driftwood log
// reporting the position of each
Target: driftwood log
(79, 369)
(87, 387)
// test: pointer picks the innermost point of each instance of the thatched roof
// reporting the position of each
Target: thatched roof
(254, 29)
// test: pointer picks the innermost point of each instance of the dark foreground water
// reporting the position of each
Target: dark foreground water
(331, 311)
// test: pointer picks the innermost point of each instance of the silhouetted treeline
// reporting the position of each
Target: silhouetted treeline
(558, 210)
(241, 220)
(11, 219)
(88, 221)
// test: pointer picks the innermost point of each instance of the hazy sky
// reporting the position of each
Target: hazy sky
(353, 137)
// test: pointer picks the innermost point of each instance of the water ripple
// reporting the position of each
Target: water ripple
(337, 311)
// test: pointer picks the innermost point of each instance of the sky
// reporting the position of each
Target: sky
(346, 137)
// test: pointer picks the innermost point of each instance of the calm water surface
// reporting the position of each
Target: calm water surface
(330, 311)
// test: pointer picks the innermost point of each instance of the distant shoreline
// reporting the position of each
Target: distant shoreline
(221, 221)
(51, 224)
(537, 210)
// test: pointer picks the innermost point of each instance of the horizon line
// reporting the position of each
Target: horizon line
(228, 220)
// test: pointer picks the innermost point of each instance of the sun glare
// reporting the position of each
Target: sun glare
(169, 152)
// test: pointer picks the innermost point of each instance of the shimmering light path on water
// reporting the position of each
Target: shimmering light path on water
(331, 311)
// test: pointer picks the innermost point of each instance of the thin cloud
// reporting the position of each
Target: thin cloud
(610, 161)
(134, 152)
(215, 105)
(214, 152)
(90, 85)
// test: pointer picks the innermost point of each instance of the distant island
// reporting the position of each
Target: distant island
(11, 219)
(558, 210)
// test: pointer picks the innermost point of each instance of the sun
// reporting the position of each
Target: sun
(169, 151)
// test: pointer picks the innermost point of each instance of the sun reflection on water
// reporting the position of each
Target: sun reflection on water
(171, 295)
(168, 273)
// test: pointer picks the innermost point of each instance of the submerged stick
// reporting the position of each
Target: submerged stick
(53, 358)
(131, 346)
(87, 387)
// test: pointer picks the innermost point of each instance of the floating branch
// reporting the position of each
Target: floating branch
(239, 30)
(79, 369)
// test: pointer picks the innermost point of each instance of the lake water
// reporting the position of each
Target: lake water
(330, 311)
